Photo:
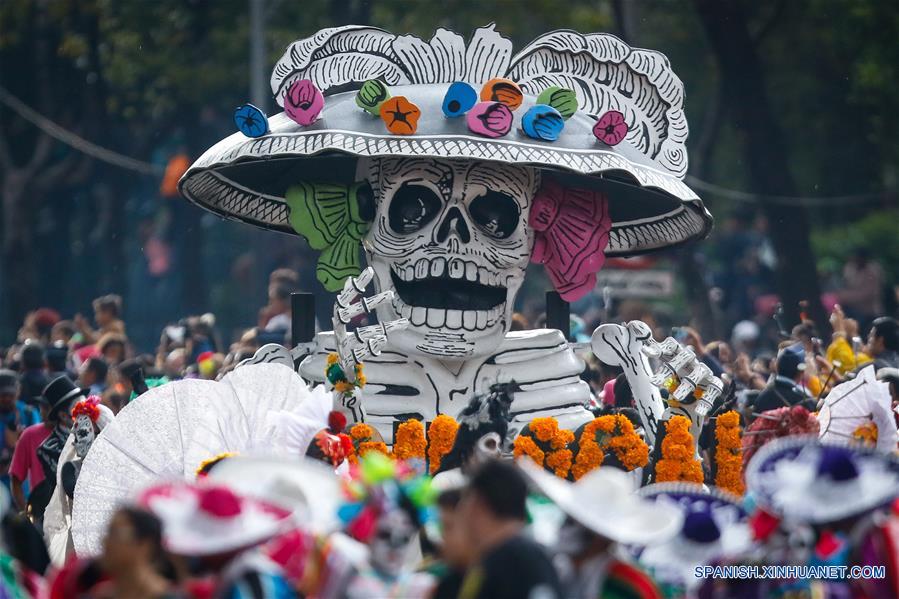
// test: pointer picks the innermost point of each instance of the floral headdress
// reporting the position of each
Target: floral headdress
(89, 407)
(379, 484)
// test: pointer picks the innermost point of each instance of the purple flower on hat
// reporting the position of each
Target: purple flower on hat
(611, 128)
(303, 102)
(572, 231)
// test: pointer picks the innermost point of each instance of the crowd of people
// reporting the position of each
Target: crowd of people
(480, 530)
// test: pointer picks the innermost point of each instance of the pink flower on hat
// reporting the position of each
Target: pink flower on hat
(611, 128)
(219, 502)
(303, 102)
(572, 231)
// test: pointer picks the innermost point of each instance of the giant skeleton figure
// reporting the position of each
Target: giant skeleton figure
(447, 217)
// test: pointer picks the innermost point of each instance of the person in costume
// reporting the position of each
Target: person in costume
(601, 510)
(714, 529)
(506, 564)
(373, 556)
(217, 532)
(58, 396)
(90, 417)
(816, 504)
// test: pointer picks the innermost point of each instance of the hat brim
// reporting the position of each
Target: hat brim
(643, 523)
(306, 487)
(247, 178)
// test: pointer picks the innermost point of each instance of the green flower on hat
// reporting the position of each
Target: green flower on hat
(328, 217)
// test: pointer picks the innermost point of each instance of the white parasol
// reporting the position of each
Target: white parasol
(855, 403)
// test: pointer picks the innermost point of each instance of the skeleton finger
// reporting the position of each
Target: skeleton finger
(359, 337)
(353, 287)
(371, 347)
(365, 305)
(689, 383)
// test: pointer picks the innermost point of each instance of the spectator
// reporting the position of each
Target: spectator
(107, 314)
(63, 331)
(883, 343)
(133, 556)
(15, 416)
(508, 565)
(37, 452)
(57, 358)
(33, 363)
(113, 348)
(93, 375)
(785, 389)
(454, 550)
(863, 281)
(276, 315)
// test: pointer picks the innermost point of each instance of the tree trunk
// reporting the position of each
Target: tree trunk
(764, 147)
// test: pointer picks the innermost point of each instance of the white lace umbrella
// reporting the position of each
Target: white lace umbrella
(168, 431)
(855, 403)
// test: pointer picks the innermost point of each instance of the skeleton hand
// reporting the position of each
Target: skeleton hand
(627, 347)
(354, 346)
(680, 362)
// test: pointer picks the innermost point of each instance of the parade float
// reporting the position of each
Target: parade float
(429, 174)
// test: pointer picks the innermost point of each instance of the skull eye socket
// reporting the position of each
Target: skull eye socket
(496, 213)
(412, 207)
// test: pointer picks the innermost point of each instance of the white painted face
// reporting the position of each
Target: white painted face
(451, 238)
(83, 429)
(393, 533)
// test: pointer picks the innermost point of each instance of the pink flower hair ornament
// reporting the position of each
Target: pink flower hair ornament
(571, 234)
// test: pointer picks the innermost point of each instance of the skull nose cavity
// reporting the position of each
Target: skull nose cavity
(453, 221)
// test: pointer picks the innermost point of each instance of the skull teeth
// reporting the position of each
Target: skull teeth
(453, 320)
(453, 268)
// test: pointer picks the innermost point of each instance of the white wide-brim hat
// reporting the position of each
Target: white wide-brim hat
(306, 487)
(604, 502)
(803, 479)
(205, 519)
(246, 179)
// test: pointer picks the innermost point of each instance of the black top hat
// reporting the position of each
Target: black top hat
(60, 392)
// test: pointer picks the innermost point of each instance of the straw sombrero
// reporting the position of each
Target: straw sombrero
(246, 178)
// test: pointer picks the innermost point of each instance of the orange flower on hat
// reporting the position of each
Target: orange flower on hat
(400, 115)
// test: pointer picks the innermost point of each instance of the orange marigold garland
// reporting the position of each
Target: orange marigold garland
(441, 437)
(410, 441)
(526, 446)
(362, 435)
(545, 443)
(729, 453)
(678, 461)
(613, 435)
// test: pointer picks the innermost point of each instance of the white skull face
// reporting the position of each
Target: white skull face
(451, 238)
(394, 532)
(83, 429)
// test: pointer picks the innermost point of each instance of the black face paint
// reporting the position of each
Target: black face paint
(412, 207)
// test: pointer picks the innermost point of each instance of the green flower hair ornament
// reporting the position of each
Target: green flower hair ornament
(330, 217)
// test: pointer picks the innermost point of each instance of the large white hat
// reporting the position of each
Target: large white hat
(306, 487)
(604, 502)
(803, 479)
(651, 207)
(206, 519)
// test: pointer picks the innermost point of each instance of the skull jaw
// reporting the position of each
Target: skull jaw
(449, 335)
